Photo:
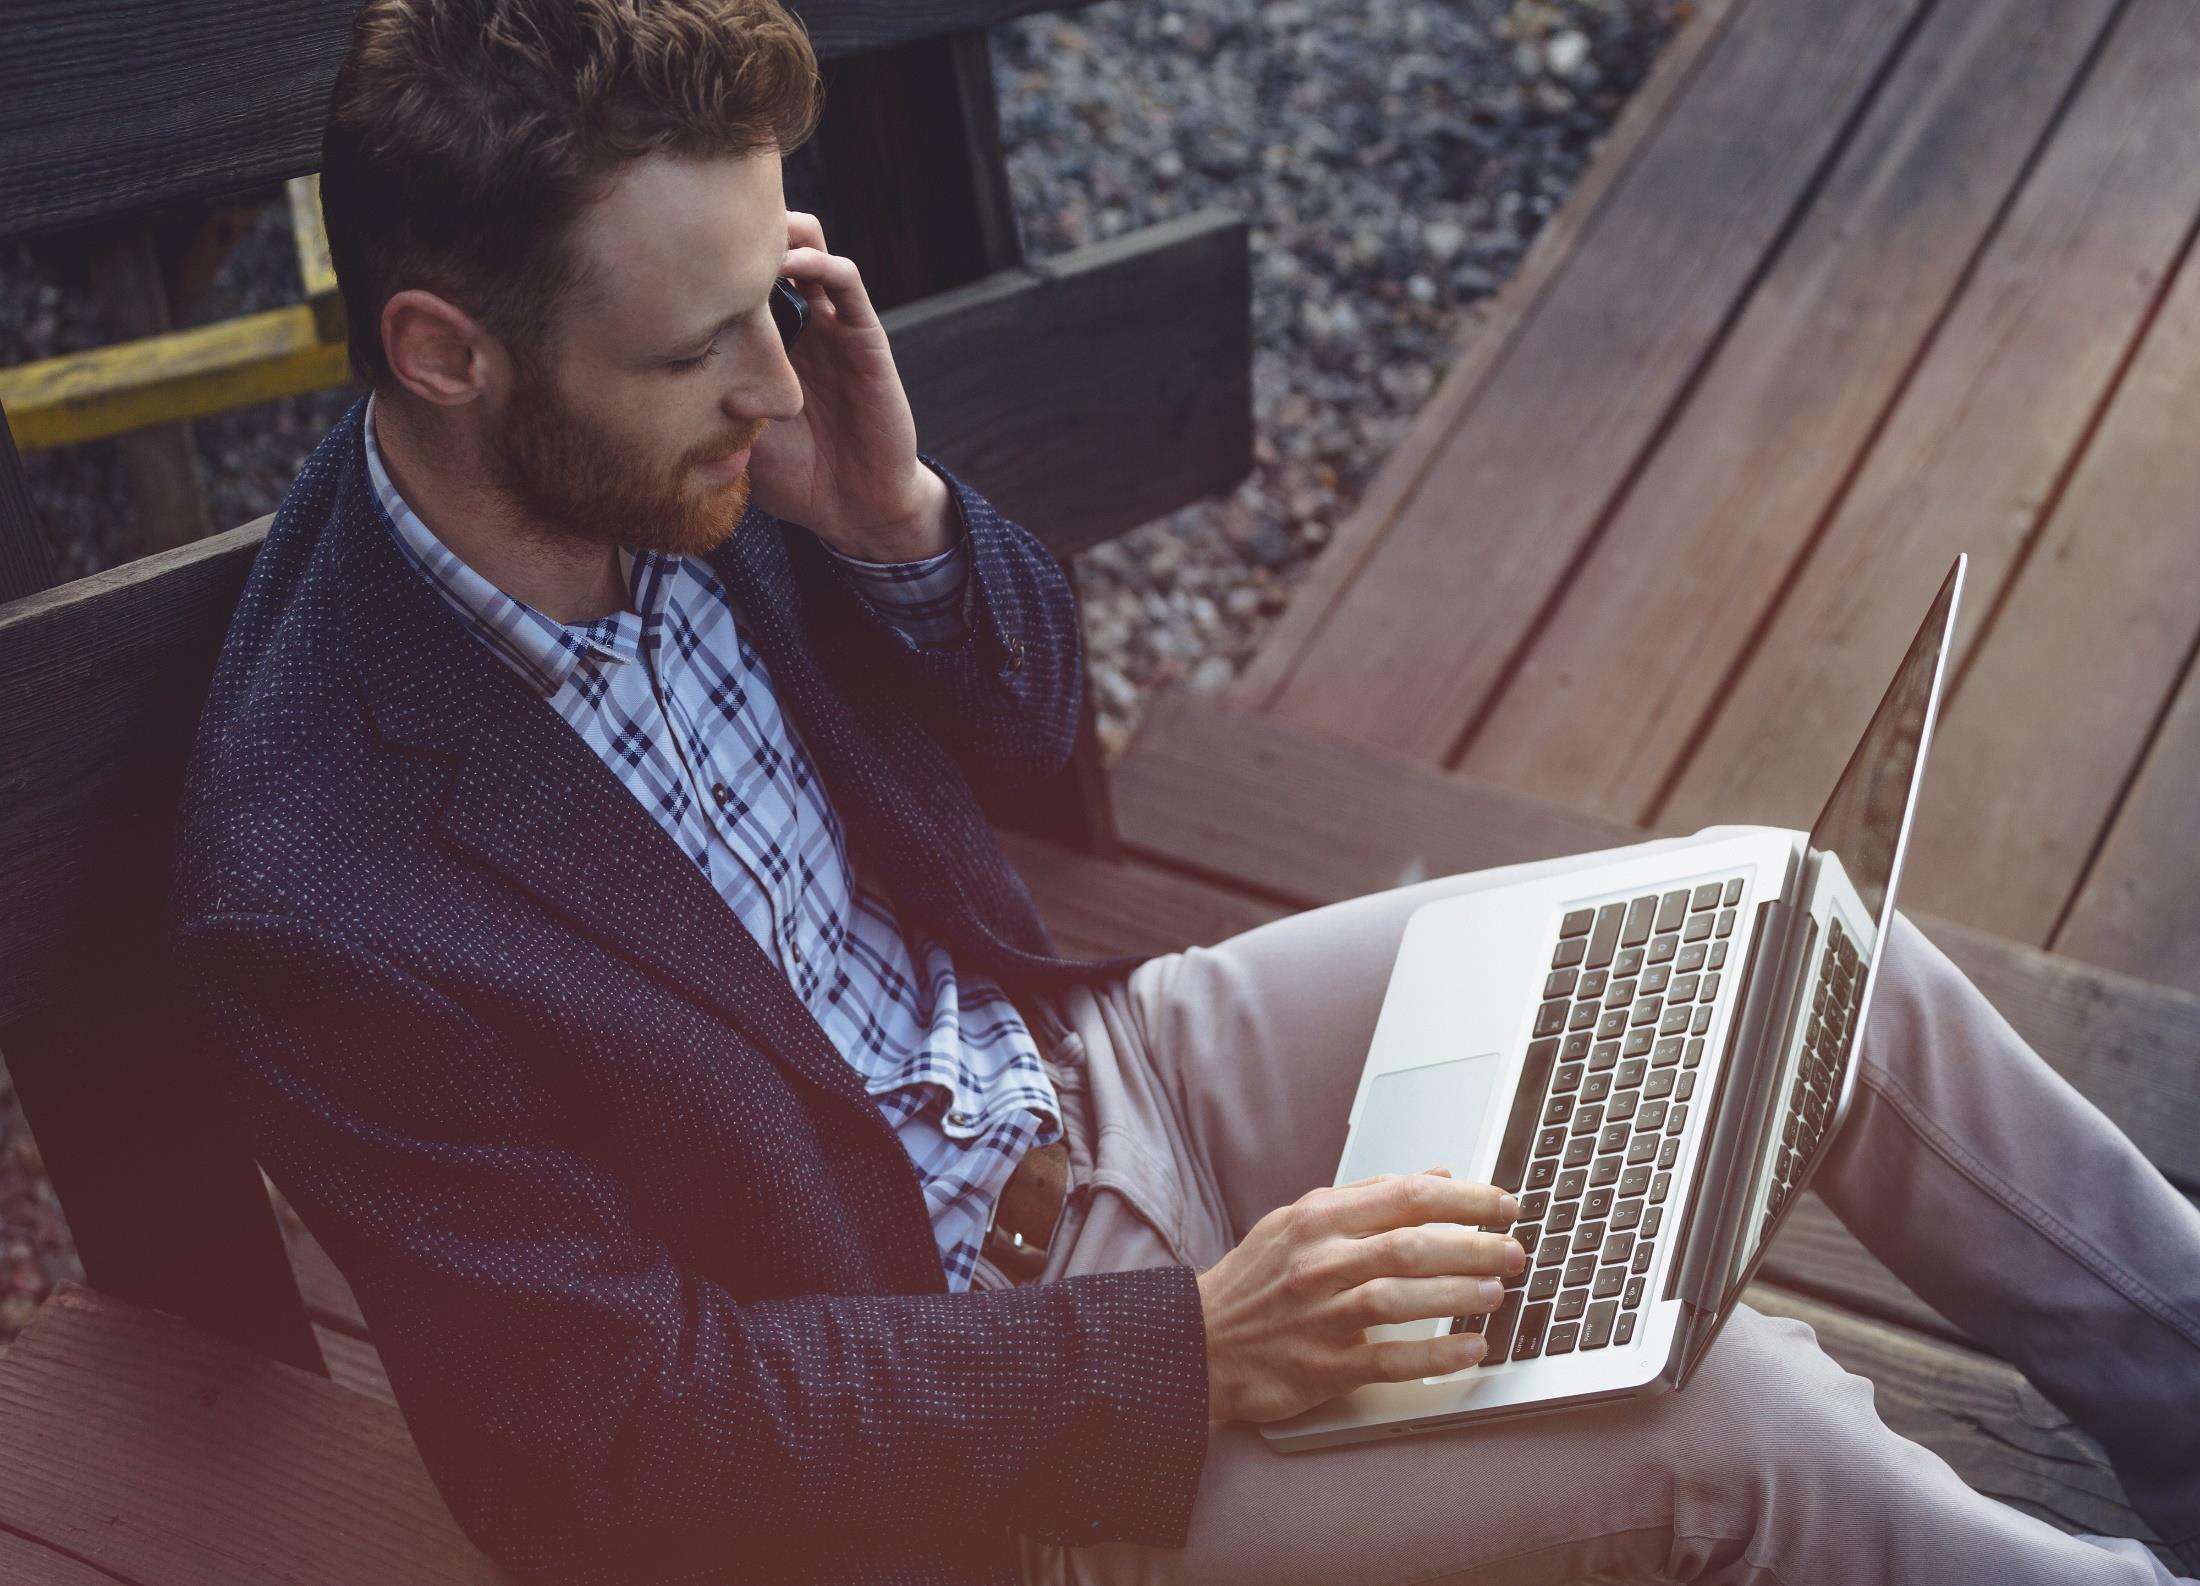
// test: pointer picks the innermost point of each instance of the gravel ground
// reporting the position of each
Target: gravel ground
(1394, 158)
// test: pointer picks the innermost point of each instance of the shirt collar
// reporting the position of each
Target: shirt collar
(543, 650)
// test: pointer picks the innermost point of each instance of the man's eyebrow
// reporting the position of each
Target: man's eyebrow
(704, 338)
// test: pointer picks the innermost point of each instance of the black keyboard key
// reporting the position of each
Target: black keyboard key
(1697, 929)
(1533, 1205)
(1561, 1341)
(1629, 961)
(1500, 1330)
(1612, 1025)
(1580, 1269)
(1544, 1284)
(1605, 1169)
(1660, 1187)
(1584, 1018)
(1717, 960)
(1669, 1153)
(1650, 1221)
(1571, 1303)
(1631, 1070)
(1685, 1087)
(1578, 922)
(1662, 948)
(1725, 926)
(1561, 1218)
(1667, 1054)
(1528, 1341)
(1710, 986)
(1597, 1086)
(1633, 1296)
(1592, 983)
(1567, 1078)
(1596, 1327)
(1588, 1237)
(1599, 1204)
(1734, 893)
(1642, 1150)
(1550, 1142)
(1579, 1150)
(1605, 937)
(1570, 1184)
(1614, 1137)
(1557, 1110)
(1702, 1021)
(1672, 909)
(1694, 1054)
(1676, 1019)
(1637, 1043)
(1576, 1049)
(1588, 1119)
(1625, 1332)
(1568, 954)
(1619, 993)
(1660, 1083)
(1637, 929)
(1628, 1212)
(1602, 1056)
(1691, 958)
(1644, 1254)
(1706, 895)
(1610, 1280)
(1632, 1182)
(1540, 1174)
(1681, 990)
(1622, 1106)
(1560, 982)
(1649, 1115)
(1677, 1120)
(1656, 980)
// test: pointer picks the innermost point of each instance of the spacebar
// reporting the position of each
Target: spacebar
(1527, 1114)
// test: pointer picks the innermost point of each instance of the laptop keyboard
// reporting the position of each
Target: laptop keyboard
(1598, 1118)
(1826, 1039)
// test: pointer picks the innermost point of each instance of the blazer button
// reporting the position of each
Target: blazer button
(1015, 655)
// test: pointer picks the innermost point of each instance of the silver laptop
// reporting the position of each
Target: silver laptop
(1655, 1054)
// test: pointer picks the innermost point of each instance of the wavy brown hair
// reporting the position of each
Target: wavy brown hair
(464, 138)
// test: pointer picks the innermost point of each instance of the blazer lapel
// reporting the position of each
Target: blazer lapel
(535, 806)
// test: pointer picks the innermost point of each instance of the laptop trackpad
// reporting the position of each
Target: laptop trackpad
(1417, 1118)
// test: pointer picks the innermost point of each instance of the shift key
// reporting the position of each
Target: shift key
(1604, 941)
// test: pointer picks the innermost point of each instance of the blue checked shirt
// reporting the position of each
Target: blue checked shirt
(674, 700)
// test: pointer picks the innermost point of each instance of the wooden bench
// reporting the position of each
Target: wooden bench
(175, 1420)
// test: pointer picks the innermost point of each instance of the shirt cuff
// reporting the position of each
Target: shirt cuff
(925, 599)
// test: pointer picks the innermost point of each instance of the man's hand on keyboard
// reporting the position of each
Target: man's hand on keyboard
(1287, 1310)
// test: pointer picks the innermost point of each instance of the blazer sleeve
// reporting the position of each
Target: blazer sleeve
(1004, 698)
(576, 1392)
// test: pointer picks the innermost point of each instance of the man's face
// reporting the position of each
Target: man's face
(666, 365)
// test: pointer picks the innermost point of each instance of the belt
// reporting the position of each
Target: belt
(1028, 1216)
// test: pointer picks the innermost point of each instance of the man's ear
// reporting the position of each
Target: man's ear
(437, 351)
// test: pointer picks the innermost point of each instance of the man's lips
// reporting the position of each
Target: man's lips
(728, 466)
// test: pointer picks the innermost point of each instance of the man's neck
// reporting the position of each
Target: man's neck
(565, 579)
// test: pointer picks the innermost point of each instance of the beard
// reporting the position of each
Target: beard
(578, 484)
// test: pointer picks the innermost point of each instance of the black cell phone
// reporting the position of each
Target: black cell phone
(789, 309)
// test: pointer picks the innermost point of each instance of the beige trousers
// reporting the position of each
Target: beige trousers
(1210, 1086)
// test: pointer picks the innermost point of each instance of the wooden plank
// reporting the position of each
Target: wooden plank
(147, 1449)
(26, 563)
(167, 500)
(1426, 630)
(1982, 436)
(1489, 328)
(1815, 1255)
(113, 105)
(1254, 803)
(2087, 648)
(1602, 705)
(354, 1363)
(99, 679)
(24, 1562)
(2137, 909)
(1991, 1426)
(1096, 907)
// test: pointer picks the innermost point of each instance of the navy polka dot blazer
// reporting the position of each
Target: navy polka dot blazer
(651, 1276)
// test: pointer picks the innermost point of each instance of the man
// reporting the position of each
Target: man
(583, 868)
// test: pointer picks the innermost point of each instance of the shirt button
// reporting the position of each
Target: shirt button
(794, 951)
(959, 1119)
(720, 792)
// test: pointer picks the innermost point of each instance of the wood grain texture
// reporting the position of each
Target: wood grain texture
(1256, 805)
(152, 1451)
(1490, 328)
(2089, 644)
(26, 563)
(112, 105)
(1603, 704)
(1426, 630)
(1982, 436)
(2135, 911)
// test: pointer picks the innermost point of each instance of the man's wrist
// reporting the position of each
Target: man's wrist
(929, 528)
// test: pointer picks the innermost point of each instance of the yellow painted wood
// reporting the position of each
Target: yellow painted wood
(315, 268)
(183, 375)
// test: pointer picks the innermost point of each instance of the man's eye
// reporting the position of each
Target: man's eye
(685, 364)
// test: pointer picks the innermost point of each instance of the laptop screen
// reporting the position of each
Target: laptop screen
(1848, 881)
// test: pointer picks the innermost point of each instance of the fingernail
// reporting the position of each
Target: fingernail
(1508, 1206)
(1516, 1259)
(1491, 1291)
(1475, 1347)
